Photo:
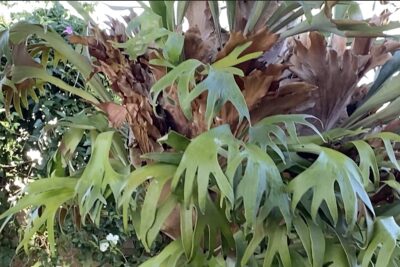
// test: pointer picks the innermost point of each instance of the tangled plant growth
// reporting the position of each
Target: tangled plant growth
(37, 135)
(254, 146)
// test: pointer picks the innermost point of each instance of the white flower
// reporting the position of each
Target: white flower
(104, 246)
(53, 121)
(34, 155)
(112, 238)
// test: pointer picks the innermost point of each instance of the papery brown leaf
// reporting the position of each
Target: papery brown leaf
(196, 48)
(379, 54)
(361, 45)
(338, 44)
(131, 80)
(157, 71)
(335, 76)
(62, 214)
(293, 97)
(116, 113)
(262, 40)
(274, 54)
(393, 126)
(78, 39)
(21, 57)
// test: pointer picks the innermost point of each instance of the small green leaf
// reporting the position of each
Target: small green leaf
(387, 138)
(367, 161)
(186, 67)
(221, 87)
(386, 234)
(137, 178)
(173, 47)
(97, 178)
(262, 179)
(20, 73)
(312, 238)
(175, 140)
(330, 168)
(234, 58)
(200, 163)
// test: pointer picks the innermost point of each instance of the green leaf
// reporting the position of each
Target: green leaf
(387, 138)
(255, 14)
(308, 6)
(188, 67)
(335, 256)
(138, 45)
(150, 210)
(234, 58)
(277, 243)
(164, 157)
(285, 9)
(214, 8)
(174, 249)
(181, 10)
(20, 31)
(368, 161)
(4, 45)
(86, 121)
(350, 10)
(386, 233)
(81, 11)
(221, 87)
(21, 73)
(69, 143)
(50, 194)
(269, 133)
(393, 184)
(159, 11)
(200, 163)
(346, 28)
(97, 178)
(313, 240)
(137, 178)
(170, 15)
(209, 227)
(330, 168)
(386, 71)
(262, 179)
(231, 13)
(186, 224)
(175, 140)
(387, 92)
(173, 47)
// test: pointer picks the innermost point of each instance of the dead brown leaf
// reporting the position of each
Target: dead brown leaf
(116, 113)
(335, 76)
(262, 40)
(21, 57)
(197, 48)
(294, 97)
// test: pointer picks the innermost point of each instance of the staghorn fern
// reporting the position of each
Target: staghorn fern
(252, 192)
